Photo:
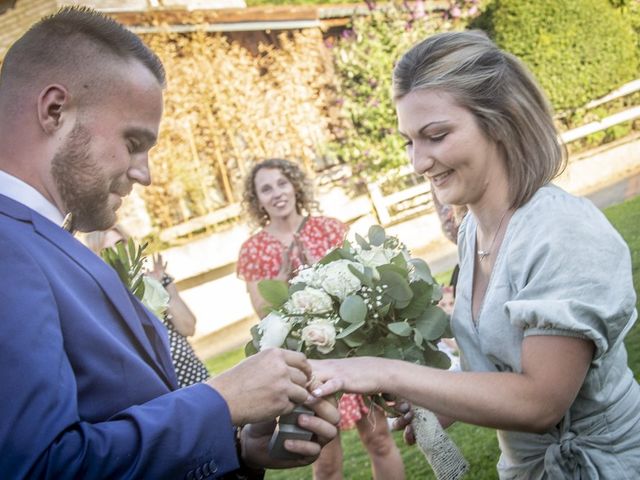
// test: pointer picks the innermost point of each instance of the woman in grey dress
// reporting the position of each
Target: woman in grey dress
(545, 294)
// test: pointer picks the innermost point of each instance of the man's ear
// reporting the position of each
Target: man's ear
(53, 103)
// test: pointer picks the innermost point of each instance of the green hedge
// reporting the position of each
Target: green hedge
(578, 49)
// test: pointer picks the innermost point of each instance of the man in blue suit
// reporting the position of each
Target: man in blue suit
(87, 388)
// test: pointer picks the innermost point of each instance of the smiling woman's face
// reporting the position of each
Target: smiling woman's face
(446, 145)
(276, 194)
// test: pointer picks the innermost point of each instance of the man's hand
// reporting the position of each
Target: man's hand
(255, 438)
(264, 385)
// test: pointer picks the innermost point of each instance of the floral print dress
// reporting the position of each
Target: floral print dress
(261, 257)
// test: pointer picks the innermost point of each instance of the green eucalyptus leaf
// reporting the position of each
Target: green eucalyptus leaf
(349, 330)
(250, 349)
(400, 261)
(353, 309)
(390, 267)
(253, 346)
(296, 287)
(370, 350)
(436, 359)
(364, 245)
(423, 272)
(432, 323)
(421, 300)
(394, 352)
(340, 350)
(346, 254)
(364, 277)
(397, 287)
(400, 328)
(376, 235)
(417, 338)
(414, 354)
(332, 256)
(436, 295)
(275, 292)
(294, 344)
(384, 310)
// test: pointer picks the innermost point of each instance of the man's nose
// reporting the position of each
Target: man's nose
(139, 171)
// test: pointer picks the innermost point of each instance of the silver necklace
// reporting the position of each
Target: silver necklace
(482, 254)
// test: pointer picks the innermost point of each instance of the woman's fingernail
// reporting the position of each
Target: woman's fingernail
(317, 392)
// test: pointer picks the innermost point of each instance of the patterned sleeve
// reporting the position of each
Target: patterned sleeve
(248, 266)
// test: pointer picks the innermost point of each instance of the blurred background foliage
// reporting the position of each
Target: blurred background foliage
(323, 97)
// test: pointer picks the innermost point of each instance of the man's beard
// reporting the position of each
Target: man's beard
(82, 184)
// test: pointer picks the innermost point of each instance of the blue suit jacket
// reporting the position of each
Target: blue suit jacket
(87, 387)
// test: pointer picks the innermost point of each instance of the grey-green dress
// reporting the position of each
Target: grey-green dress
(562, 269)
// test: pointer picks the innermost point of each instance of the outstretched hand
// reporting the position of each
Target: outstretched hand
(264, 385)
(350, 375)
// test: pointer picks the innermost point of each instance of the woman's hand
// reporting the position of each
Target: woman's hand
(352, 375)
(159, 267)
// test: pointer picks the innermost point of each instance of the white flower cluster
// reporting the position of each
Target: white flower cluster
(379, 255)
(334, 278)
(309, 300)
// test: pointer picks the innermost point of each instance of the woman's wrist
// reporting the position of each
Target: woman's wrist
(166, 280)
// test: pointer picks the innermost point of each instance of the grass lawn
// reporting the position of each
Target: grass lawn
(479, 445)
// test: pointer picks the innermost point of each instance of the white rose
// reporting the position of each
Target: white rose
(273, 330)
(377, 256)
(309, 276)
(309, 300)
(338, 279)
(155, 297)
(321, 333)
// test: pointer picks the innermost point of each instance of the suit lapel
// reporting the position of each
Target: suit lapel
(106, 278)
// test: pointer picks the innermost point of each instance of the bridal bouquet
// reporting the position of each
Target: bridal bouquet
(369, 298)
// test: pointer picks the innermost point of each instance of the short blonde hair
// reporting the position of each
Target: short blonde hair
(504, 97)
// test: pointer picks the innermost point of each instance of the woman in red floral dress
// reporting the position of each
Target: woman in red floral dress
(278, 197)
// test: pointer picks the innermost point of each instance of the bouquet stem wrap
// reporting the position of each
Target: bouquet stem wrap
(443, 455)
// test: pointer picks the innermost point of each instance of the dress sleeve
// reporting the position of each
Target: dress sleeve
(247, 267)
(258, 259)
(571, 273)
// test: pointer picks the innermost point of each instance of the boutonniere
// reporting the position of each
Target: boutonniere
(128, 260)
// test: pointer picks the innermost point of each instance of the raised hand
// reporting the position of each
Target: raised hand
(159, 267)
(255, 438)
(264, 385)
